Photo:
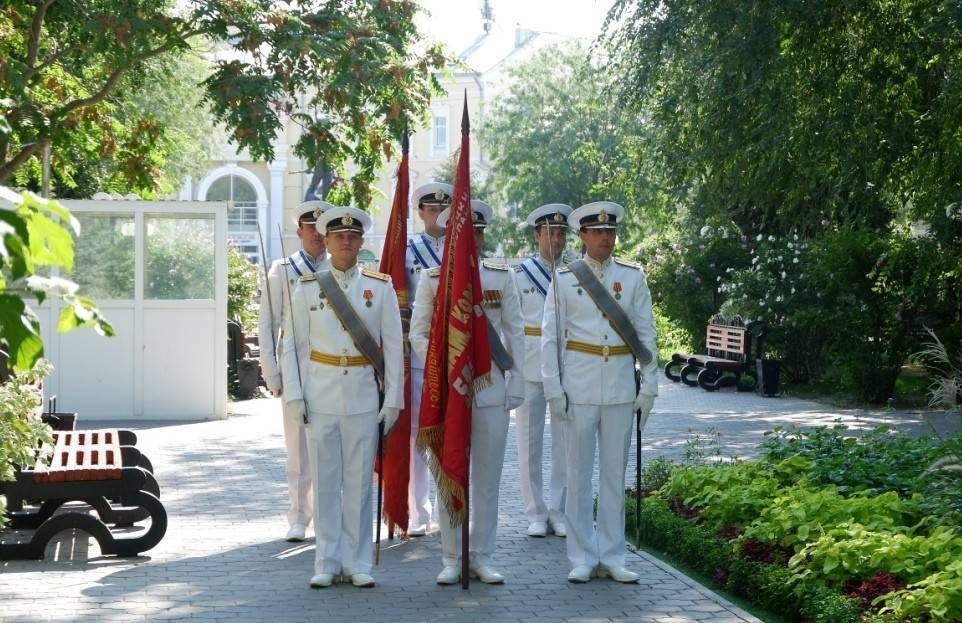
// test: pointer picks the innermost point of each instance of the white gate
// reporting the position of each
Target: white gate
(158, 272)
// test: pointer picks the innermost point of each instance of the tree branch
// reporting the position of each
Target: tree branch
(33, 47)
(7, 168)
(112, 80)
(53, 58)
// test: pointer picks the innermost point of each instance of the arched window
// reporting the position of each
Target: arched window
(243, 216)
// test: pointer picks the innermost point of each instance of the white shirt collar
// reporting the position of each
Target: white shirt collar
(597, 267)
(345, 276)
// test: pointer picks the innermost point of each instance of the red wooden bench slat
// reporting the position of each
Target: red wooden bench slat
(90, 455)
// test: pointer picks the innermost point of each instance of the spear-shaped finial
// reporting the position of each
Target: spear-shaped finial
(405, 140)
(465, 123)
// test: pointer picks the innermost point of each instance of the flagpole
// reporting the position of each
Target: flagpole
(465, 566)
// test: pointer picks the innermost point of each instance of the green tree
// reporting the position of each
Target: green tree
(782, 114)
(351, 73)
(36, 234)
(555, 137)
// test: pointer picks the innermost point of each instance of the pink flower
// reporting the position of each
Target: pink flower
(172, 272)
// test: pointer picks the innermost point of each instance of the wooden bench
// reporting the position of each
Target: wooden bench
(90, 469)
(728, 361)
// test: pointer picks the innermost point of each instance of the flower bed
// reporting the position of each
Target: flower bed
(822, 528)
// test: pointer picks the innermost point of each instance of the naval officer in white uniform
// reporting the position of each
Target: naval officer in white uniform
(331, 381)
(489, 417)
(311, 257)
(594, 389)
(423, 253)
(533, 276)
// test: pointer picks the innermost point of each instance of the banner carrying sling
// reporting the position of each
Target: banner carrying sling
(616, 316)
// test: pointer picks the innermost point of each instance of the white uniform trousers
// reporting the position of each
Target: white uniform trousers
(530, 418)
(419, 485)
(298, 468)
(342, 457)
(489, 436)
(610, 425)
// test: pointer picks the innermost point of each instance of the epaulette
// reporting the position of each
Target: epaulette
(434, 272)
(618, 260)
(310, 277)
(564, 269)
(376, 275)
(494, 265)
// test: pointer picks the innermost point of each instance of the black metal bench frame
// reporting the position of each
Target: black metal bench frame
(728, 361)
(119, 501)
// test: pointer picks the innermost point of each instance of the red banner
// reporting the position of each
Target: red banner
(397, 445)
(458, 361)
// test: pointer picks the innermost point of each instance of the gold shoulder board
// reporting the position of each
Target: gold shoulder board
(618, 260)
(375, 274)
(494, 265)
(310, 277)
(434, 272)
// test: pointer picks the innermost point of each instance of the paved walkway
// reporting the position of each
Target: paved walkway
(224, 557)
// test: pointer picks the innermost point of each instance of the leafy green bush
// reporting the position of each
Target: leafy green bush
(880, 460)
(937, 597)
(20, 426)
(802, 514)
(851, 551)
(657, 472)
(733, 494)
(242, 284)
(685, 272)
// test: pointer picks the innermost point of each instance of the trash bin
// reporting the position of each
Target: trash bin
(768, 373)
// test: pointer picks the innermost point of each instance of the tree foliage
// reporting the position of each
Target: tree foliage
(350, 72)
(556, 138)
(785, 113)
(36, 234)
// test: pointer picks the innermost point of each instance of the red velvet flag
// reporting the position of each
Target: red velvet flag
(397, 447)
(458, 360)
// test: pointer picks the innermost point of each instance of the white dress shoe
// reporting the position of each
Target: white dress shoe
(618, 574)
(418, 530)
(538, 528)
(486, 574)
(559, 529)
(362, 580)
(322, 580)
(449, 575)
(296, 533)
(580, 574)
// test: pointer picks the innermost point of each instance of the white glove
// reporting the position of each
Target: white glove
(513, 403)
(298, 407)
(558, 407)
(273, 383)
(644, 403)
(389, 416)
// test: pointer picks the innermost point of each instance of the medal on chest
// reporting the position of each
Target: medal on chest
(617, 289)
(368, 295)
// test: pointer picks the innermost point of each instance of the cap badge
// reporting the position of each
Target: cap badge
(347, 220)
(317, 213)
(558, 217)
(602, 216)
(439, 195)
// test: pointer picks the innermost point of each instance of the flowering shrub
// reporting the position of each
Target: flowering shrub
(686, 271)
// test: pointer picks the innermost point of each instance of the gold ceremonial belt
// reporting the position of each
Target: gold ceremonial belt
(532, 330)
(601, 351)
(338, 360)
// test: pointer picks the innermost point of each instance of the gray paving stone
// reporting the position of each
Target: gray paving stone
(224, 557)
